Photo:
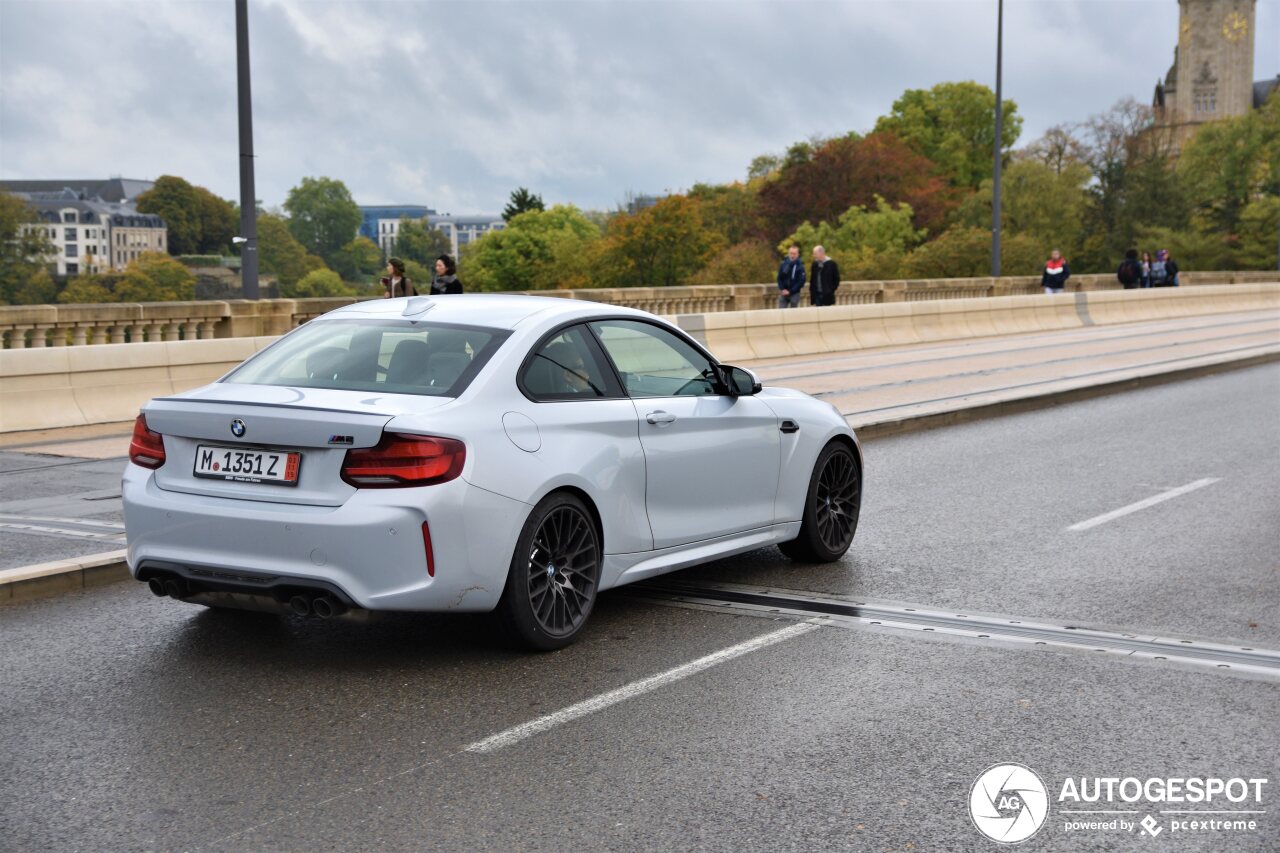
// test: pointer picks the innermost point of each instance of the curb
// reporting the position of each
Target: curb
(45, 579)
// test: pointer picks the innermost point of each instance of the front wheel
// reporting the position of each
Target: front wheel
(831, 507)
(554, 575)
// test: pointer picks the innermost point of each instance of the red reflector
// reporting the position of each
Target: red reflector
(147, 447)
(431, 557)
(404, 460)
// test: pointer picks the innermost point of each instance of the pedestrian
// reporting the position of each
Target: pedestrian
(1130, 270)
(790, 278)
(824, 278)
(1164, 272)
(395, 282)
(1146, 269)
(1056, 273)
(446, 276)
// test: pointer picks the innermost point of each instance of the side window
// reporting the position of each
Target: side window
(564, 368)
(653, 362)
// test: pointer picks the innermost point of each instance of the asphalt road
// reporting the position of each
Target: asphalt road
(130, 722)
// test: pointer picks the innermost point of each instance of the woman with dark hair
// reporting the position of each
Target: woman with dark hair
(395, 282)
(1146, 269)
(446, 276)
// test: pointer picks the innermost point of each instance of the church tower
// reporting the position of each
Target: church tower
(1212, 73)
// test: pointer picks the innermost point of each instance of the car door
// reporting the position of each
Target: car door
(711, 460)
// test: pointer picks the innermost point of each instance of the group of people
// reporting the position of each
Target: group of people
(395, 283)
(1135, 272)
(823, 278)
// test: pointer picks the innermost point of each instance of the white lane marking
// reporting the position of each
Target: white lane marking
(61, 531)
(1143, 504)
(636, 688)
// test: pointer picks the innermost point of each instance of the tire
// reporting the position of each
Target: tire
(554, 575)
(831, 507)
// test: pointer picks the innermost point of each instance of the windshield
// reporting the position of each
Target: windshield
(387, 356)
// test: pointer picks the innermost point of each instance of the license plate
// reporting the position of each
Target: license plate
(247, 466)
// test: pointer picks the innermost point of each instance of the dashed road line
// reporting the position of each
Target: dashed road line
(1142, 504)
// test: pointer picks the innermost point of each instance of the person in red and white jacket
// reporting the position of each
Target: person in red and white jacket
(1056, 273)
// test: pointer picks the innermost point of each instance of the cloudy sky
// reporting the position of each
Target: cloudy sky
(453, 104)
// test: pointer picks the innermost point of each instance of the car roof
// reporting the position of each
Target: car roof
(496, 310)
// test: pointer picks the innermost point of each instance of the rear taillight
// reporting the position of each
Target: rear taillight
(147, 447)
(404, 460)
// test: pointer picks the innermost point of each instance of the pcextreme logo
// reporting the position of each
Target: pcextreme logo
(1009, 803)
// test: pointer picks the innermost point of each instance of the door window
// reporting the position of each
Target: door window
(565, 368)
(653, 362)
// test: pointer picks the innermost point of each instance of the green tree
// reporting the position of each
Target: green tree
(317, 283)
(280, 254)
(358, 259)
(86, 290)
(868, 243)
(171, 279)
(219, 222)
(418, 241)
(323, 216)
(538, 250)
(23, 250)
(1039, 200)
(660, 246)
(732, 210)
(522, 201)
(174, 200)
(953, 124)
(961, 252)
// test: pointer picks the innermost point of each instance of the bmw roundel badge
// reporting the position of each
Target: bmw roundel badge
(237, 428)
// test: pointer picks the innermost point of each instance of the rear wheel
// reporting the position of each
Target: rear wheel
(831, 507)
(554, 575)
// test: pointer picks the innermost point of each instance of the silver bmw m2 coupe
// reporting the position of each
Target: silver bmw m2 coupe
(473, 453)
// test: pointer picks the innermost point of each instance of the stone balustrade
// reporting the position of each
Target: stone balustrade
(37, 326)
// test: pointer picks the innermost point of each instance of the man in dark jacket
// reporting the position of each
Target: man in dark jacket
(824, 278)
(1130, 271)
(790, 278)
(1056, 273)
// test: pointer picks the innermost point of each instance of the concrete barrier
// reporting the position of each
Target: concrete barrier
(105, 383)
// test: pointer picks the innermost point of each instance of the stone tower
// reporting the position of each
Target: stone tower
(1212, 73)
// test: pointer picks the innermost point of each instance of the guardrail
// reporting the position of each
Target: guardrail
(37, 326)
(71, 386)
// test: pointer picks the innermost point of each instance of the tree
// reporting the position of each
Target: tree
(322, 216)
(748, 262)
(317, 283)
(868, 243)
(170, 279)
(522, 201)
(1058, 149)
(961, 252)
(660, 246)
(853, 171)
(954, 125)
(358, 259)
(86, 290)
(174, 200)
(280, 254)
(23, 250)
(1038, 200)
(198, 221)
(731, 210)
(538, 250)
(418, 241)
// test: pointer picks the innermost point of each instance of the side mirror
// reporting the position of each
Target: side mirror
(740, 381)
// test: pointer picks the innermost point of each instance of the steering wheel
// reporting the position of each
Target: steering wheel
(703, 376)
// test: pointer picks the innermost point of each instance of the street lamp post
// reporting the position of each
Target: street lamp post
(248, 239)
(995, 178)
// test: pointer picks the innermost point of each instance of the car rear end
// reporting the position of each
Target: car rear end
(322, 483)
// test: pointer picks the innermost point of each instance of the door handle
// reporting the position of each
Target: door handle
(660, 418)
(789, 426)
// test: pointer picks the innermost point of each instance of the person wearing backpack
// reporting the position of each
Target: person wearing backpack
(1130, 271)
(1164, 272)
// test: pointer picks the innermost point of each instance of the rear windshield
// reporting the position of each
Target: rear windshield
(388, 356)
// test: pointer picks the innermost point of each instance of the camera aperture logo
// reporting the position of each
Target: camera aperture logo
(1008, 803)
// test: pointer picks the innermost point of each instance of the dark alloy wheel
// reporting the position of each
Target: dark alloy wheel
(555, 573)
(831, 507)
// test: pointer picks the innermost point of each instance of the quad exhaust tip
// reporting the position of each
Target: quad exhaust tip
(157, 587)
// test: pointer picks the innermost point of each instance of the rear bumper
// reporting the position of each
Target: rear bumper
(368, 553)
